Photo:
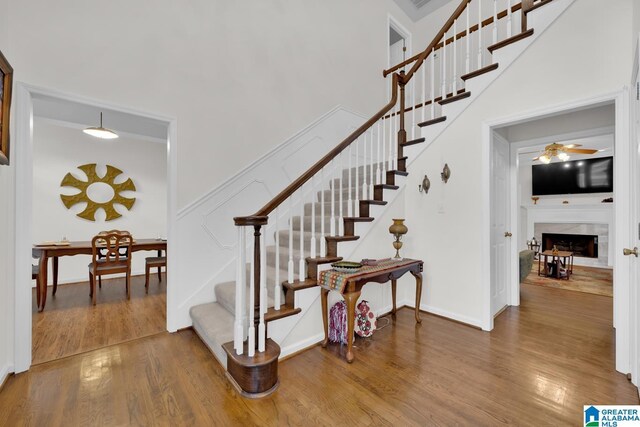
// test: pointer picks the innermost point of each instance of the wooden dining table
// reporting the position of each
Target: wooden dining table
(59, 249)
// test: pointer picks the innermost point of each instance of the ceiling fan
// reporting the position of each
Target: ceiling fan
(560, 151)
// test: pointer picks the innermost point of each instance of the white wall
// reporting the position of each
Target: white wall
(240, 77)
(6, 234)
(58, 150)
(559, 67)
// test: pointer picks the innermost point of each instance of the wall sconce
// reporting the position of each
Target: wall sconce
(446, 173)
(425, 186)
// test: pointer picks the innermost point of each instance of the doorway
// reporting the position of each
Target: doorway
(398, 45)
(495, 205)
(31, 106)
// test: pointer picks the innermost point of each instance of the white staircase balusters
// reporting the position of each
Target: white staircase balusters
(349, 198)
(301, 261)
(383, 147)
(241, 283)
(372, 177)
(443, 61)
(424, 93)
(323, 242)
(467, 42)
(392, 140)
(413, 111)
(262, 330)
(365, 186)
(277, 287)
(509, 20)
(479, 34)
(290, 272)
(357, 180)
(378, 159)
(312, 245)
(251, 340)
(433, 83)
(495, 21)
(332, 226)
(455, 58)
(341, 194)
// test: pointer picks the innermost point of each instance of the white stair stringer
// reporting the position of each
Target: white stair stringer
(539, 19)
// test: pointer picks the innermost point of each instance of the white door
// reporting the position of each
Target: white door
(396, 53)
(634, 277)
(500, 224)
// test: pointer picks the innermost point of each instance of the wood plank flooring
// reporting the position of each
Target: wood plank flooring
(543, 361)
(70, 325)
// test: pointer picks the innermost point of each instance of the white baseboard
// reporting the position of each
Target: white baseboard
(301, 345)
(440, 312)
(5, 371)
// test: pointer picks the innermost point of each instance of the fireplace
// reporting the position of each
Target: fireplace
(581, 245)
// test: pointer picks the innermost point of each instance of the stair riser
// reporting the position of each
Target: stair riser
(284, 240)
(318, 222)
(345, 195)
(327, 207)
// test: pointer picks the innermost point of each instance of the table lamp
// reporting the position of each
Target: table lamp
(398, 229)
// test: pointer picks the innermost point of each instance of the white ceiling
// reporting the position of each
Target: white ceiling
(418, 9)
(79, 116)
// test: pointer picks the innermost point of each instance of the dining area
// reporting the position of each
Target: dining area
(111, 253)
(115, 302)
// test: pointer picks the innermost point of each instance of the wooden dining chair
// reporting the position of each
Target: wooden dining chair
(110, 255)
(102, 252)
(153, 262)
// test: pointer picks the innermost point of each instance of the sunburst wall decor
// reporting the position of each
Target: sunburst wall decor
(92, 178)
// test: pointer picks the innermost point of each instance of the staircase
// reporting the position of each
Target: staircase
(319, 218)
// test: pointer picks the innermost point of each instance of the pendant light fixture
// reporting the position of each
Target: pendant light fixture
(101, 132)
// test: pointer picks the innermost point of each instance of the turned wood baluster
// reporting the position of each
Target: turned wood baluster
(402, 133)
(495, 21)
(312, 248)
(372, 177)
(454, 83)
(290, 264)
(254, 277)
(349, 185)
(323, 242)
(365, 186)
(357, 179)
(468, 41)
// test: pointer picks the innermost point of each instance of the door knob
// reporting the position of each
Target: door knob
(633, 252)
(507, 234)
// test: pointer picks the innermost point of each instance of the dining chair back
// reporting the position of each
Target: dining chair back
(110, 255)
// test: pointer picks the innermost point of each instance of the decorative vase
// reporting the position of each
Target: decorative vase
(398, 229)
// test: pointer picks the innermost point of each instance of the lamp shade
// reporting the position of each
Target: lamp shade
(100, 131)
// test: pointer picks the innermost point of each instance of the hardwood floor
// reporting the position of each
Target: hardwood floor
(543, 361)
(71, 325)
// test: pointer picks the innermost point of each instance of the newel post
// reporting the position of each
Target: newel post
(402, 132)
(526, 7)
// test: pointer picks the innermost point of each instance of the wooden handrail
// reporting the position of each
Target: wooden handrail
(461, 34)
(420, 59)
(259, 218)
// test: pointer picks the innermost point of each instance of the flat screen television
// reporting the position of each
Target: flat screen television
(574, 177)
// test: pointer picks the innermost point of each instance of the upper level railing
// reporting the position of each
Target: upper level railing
(349, 172)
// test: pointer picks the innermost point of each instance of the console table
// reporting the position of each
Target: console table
(350, 285)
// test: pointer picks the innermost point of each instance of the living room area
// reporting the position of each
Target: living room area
(566, 218)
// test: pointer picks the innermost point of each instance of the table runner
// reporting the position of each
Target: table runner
(336, 281)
